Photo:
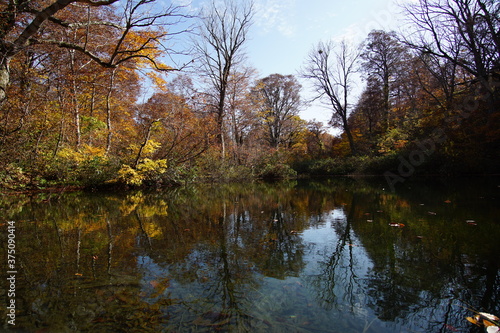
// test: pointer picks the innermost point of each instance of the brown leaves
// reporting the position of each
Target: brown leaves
(491, 322)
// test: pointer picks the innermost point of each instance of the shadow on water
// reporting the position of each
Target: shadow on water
(335, 255)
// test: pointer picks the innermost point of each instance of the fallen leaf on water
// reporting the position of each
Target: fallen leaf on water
(486, 319)
(473, 320)
(489, 316)
(78, 274)
(451, 328)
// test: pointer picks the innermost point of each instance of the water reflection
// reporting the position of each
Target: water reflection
(329, 256)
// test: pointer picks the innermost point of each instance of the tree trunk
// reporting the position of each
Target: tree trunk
(108, 112)
(4, 78)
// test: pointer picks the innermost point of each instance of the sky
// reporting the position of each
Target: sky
(284, 32)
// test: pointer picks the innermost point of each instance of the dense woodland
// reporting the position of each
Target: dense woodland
(75, 107)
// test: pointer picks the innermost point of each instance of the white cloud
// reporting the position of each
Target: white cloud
(272, 15)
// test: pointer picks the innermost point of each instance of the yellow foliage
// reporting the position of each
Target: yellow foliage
(148, 165)
(150, 148)
(84, 154)
(146, 169)
(159, 82)
(130, 176)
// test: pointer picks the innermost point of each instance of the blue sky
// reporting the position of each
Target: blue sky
(284, 31)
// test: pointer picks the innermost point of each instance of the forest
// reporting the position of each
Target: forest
(74, 109)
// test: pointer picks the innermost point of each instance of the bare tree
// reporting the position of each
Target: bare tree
(464, 32)
(223, 33)
(331, 71)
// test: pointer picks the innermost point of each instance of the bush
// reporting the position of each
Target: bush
(87, 166)
(13, 177)
(148, 172)
(332, 166)
(277, 171)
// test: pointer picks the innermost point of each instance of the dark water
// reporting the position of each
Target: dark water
(325, 256)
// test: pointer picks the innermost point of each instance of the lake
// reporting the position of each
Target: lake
(328, 255)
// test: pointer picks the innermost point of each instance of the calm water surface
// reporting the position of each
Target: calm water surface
(336, 255)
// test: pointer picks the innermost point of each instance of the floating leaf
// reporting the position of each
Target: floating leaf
(488, 316)
(473, 320)
(486, 319)
(451, 328)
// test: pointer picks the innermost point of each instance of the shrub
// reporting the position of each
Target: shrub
(87, 166)
(148, 172)
(12, 177)
(277, 171)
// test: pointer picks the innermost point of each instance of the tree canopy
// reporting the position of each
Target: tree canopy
(88, 96)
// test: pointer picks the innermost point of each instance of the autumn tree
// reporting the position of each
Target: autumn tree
(241, 121)
(28, 24)
(318, 140)
(330, 68)
(168, 123)
(222, 35)
(278, 103)
(369, 111)
(382, 57)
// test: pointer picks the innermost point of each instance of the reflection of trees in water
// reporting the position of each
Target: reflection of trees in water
(244, 238)
(338, 276)
(220, 242)
(423, 279)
